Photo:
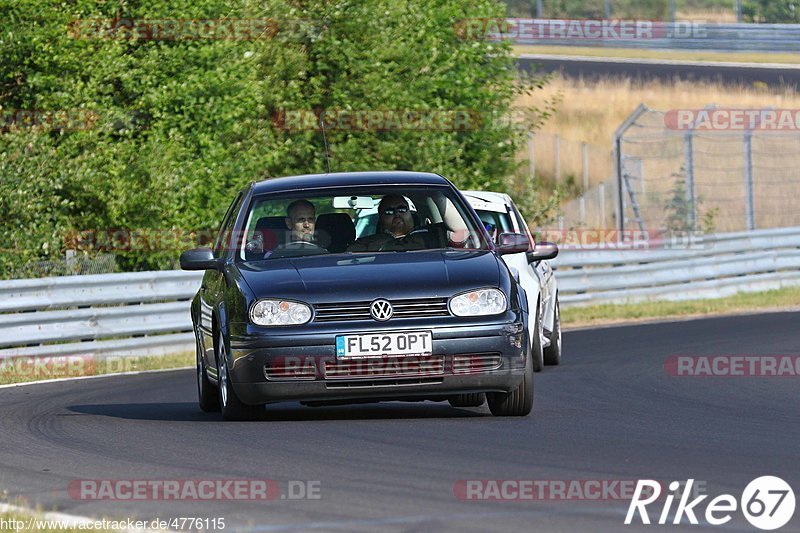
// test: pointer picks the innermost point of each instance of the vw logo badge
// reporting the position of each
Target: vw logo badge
(381, 310)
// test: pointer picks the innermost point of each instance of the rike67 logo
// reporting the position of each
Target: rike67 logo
(767, 502)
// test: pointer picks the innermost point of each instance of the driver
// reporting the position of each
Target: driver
(394, 222)
(301, 219)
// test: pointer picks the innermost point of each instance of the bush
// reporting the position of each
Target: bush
(181, 124)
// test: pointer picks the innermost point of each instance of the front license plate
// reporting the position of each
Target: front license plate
(379, 344)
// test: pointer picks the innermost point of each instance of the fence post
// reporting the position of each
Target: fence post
(531, 158)
(557, 156)
(618, 207)
(616, 159)
(748, 180)
(640, 168)
(601, 190)
(585, 167)
(689, 167)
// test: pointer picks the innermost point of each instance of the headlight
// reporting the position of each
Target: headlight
(279, 313)
(478, 303)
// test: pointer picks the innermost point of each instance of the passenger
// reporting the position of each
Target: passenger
(301, 219)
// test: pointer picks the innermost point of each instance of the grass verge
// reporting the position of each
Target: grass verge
(779, 299)
(685, 55)
(27, 369)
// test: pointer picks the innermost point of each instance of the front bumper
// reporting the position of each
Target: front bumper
(465, 359)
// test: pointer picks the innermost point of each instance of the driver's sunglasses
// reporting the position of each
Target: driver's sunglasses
(389, 211)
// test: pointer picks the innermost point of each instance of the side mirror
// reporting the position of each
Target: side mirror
(199, 259)
(543, 251)
(512, 243)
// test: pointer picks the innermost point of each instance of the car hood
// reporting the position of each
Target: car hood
(358, 277)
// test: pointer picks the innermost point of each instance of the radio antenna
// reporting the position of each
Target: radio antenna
(325, 141)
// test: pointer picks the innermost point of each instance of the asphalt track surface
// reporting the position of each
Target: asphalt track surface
(610, 412)
(779, 76)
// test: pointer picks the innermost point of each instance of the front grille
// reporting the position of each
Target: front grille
(281, 370)
(476, 362)
(382, 383)
(385, 367)
(408, 308)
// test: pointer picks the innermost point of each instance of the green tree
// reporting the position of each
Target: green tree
(771, 11)
(182, 124)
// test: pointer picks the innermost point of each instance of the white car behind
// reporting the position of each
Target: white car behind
(534, 273)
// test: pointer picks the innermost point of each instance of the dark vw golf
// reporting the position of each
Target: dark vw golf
(358, 287)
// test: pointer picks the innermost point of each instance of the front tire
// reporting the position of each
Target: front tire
(552, 354)
(536, 346)
(518, 402)
(208, 396)
(231, 406)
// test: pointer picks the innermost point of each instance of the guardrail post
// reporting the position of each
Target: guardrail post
(689, 169)
(748, 180)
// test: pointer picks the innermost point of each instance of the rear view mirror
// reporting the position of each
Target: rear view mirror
(512, 243)
(353, 202)
(543, 251)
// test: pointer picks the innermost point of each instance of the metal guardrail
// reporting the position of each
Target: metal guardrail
(679, 36)
(148, 312)
(710, 267)
(138, 313)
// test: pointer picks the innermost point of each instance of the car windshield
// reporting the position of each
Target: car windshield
(357, 220)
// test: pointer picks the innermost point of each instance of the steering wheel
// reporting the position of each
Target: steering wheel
(402, 243)
(302, 245)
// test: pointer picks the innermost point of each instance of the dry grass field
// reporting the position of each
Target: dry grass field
(707, 15)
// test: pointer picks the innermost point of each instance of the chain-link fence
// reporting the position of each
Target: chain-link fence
(707, 173)
(584, 171)
(570, 163)
(707, 170)
(72, 265)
